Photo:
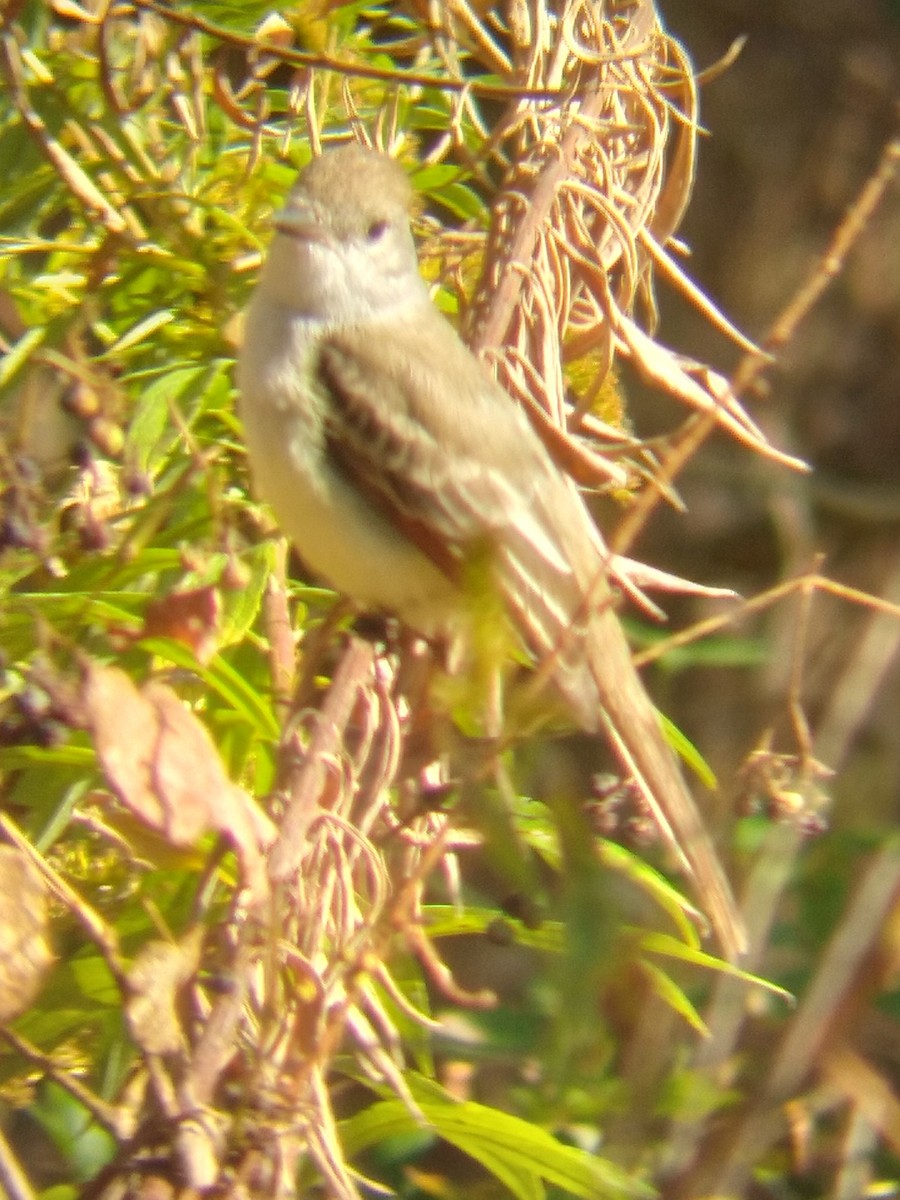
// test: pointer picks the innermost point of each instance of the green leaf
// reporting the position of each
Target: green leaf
(152, 434)
(671, 994)
(522, 1155)
(138, 333)
(84, 1145)
(19, 353)
(240, 606)
(655, 885)
(448, 920)
(16, 758)
(688, 752)
(662, 943)
(225, 681)
(462, 201)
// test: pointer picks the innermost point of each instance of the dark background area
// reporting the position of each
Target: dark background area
(794, 128)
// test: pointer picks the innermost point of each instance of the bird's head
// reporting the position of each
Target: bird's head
(344, 251)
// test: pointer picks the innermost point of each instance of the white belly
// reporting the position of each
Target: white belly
(335, 529)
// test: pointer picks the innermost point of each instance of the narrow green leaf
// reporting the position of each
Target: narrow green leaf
(16, 758)
(662, 943)
(240, 606)
(460, 200)
(151, 433)
(524, 1184)
(688, 752)
(139, 333)
(18, 353)
(447, 920)
(435, 176)
(670, 993)
(521, 1154)
(224, 680)
(676, 906)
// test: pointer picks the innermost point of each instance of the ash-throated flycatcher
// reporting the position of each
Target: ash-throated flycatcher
(391, 458)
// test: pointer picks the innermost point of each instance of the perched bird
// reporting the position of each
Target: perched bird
(391, 459)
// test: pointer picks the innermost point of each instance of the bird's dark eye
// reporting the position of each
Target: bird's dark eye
(377, 230)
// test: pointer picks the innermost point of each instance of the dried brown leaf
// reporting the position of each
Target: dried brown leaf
(163, 767)
(155, 981)
(190, 617)
(25, 954)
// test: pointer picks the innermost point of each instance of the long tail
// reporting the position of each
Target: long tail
(635, 734)
(558, 594)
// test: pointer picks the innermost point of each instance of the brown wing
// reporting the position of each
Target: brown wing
(443, 500)
(460, 475)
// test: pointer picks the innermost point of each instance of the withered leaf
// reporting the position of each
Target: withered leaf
(25, 954)
(155, 979)
(164, 768)
(191, 617)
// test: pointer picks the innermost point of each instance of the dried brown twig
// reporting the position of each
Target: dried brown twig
(845, 237)
(276, 49)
